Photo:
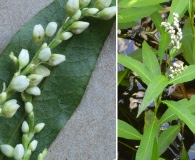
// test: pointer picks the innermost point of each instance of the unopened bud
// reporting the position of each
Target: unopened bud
(23, 58)
(19, 83)
(3, 97)
(9, 108)
(42, 155)
(76, 16)
(90, 11)
(84, 3)
(7, 150)
(51, 29)
(39, 127)
(28, 107)
(78, 27)
(25, 127)
(41, 70)
(35, 79)
(44, 54)
(66, 35)
(33, 90)
(72, 6)
(101, 4)
(38, 33)
(33, 145)
(56, 59)
(19, 152)
(13, 58)
(107, 13)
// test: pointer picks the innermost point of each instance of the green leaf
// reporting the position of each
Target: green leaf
(150, 60)
(167, 137)
(126, 25)
(157, 19)
(187, 41)
(127, 131)
(135, 66)
(155, 150)
(187, 75)
(63, 90)
(184, 154)
(138, 3)
(137, 54)
(147, 142)
(121, 75)
(163, 44)
(154, 89)
(177, 6)
(183, 113)
(133, 14)
(168, 116)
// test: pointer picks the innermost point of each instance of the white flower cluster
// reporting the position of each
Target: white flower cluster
(176, 68)
(175, 36)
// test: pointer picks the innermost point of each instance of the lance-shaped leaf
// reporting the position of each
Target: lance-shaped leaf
(147, 142)
(183, 113)
(150, 60)
(127, 131)
(63, 90)
(157, 19)
(155, 149)
(187, 75)
(154, 89)
(167, 137)
(135, 66)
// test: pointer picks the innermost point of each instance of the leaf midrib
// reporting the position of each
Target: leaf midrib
(129, 133)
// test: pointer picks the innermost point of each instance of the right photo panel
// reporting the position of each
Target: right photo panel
(156, 80)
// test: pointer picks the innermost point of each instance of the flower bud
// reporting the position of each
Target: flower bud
(66, 35)
(78, 27)
(28, 107)
(33, 145)
(84, 3)
(56, 59)
(72, 6)
(25, 127)
(23, 58)
(90, 11)
(3, 97)
(7, 150)
(35, 79)
(44, 54)
(38, 33)
(76, 16)
(19, 83)
(42, 155)
(39, 127)
(33, 90)
(19, 152)
(9, 108)
(51, 29)
(107, 13)
(13, 58)
(101, 4)
(42, 70)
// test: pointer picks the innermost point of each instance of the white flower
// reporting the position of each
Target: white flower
(107, 13)
(19, 83)
(51, 29)
(72, 6)
(35, 79)
(25, 127)
(76, 16)
(28, 107)
(33, 90)
(33, 145)
(66, 35)
(9, 108)
(44, 54)
(101, 4)
(38, 33)
(84, 3)
(19, 152)
(41, 70)
(23, 58)
(39, 127)
(3, 97)
(78, 27)
(56, 59)
(7, 150)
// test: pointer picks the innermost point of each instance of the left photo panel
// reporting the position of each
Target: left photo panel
(58, 80)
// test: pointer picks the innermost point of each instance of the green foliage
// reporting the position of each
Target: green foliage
(61, 92)
(127, 131)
